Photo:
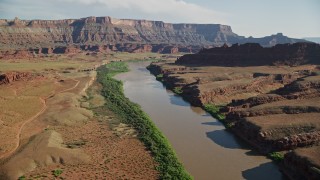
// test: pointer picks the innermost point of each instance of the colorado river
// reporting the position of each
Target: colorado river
(202, 144)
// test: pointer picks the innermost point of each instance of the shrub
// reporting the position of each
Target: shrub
(22, 178)
(213, 110)
(220, 117)
(159, 77)
(57, 172)
(229, 125)
(177, 90)
(276, 156)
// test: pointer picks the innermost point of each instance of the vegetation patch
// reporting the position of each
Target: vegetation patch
(276, 156)
(131, 113)
(229, 125)
(177, 90)
(22, 178)
(214, 111)
(57, 172)
(159, 77)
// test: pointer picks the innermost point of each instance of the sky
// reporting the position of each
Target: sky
(257, 18)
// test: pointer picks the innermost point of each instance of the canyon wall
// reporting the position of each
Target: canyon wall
(24, 34)
(269, 97)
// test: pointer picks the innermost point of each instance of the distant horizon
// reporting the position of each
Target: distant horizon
(293, 18)
(313, 39)
(167, 23)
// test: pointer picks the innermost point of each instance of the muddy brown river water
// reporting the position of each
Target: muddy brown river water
(202, 144)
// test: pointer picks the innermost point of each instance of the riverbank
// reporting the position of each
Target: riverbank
(180, 89)
(72, 135)
(169, 166)
(272, 108)
(201, 143)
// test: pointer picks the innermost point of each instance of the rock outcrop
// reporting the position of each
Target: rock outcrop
(265, 102)
(255, 55)
(285, 120)
(303, 163)
(296, 105)
(10, 77)
(224, 85)
(24, 34)
(271, 111)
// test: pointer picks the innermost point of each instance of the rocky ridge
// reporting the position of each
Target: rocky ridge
(30, 37)
(72, 49)
(252, 54)
(272, 106)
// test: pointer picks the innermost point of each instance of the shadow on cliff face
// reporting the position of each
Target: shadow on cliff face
(259, 172)
(226, 139)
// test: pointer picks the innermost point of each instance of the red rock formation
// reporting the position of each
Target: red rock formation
(302, 163)
(142, 49)
(23, 34)
(10, 77)
(297, 85)
(253, 101)
(302, 90)
(17, 54)
(285, 117)
(71, 49)
(265, 141)
(254, 55)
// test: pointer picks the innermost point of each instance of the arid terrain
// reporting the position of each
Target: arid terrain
(54, 123)
(272, 105)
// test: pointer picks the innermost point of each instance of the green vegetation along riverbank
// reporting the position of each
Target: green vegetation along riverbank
(131, 113)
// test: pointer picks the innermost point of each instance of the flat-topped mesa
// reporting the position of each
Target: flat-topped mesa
(49, 23)
(252, 54)
(93, 20)
(140, 23)
(107, 30)
(23, 34)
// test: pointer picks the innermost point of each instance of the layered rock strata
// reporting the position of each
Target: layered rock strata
(283, 121)
(110, 34)
(273, 106)
(72, 49)
(302, 163)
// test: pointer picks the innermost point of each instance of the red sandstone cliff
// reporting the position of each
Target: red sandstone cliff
(24, 34)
